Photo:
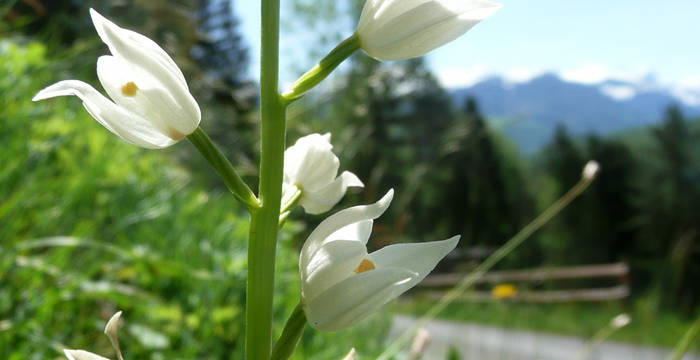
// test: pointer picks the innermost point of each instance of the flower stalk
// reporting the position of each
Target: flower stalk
(324, 67)
(290, 335)
(223, 167)
(264, 221)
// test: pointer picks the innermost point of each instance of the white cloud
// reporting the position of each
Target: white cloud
(522, 74)
(595, 73)
(619, 92)
(692, 82)
(456, 77)
(688, 90)
(590, 73)
(634, 79)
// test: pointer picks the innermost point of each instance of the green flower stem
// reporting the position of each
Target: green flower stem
(264, 221)
(223, 167)
(594, 342)
(686, 341)
(290, 335)
(319, 72)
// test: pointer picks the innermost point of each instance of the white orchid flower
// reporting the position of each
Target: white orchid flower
(341, 283)
(151, 104)
(403, 29)
(310, 168)
(111, 330)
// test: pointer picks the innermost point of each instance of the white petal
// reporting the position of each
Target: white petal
(323, 199)
(411, 28)
(357, 231)
(149, 60)
(82, 355)
(349, 301)
(420, 258)
(151, 100)
(319, 236)
(112, 327)
(375, 14)
(118, 40)
(332, 263)
(125, 124)
(112, 330)
(310, 162)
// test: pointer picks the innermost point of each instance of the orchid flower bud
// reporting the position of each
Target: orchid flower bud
(620, 321)
(310, 167)
(342, 284)
(590, 170)
(151, 105)
(403, 29)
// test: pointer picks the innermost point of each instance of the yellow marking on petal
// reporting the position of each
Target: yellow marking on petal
(129, 89)
(174, 134)
(365, 265)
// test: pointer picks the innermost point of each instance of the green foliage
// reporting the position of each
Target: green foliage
(481, 195)
(671, 224)
(91, 225)
(640, 209)
(136, 237)
(453, 354)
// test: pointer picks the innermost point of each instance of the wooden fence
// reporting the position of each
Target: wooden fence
(618, 272)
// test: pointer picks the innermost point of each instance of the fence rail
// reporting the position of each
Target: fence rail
(619, 271)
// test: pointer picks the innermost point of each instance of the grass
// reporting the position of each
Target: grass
(90, 225)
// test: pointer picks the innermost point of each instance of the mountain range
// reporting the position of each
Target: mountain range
(529, 112)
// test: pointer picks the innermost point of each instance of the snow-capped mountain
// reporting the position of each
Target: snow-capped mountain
(528, 112)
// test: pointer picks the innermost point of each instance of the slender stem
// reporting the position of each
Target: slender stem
(290, 335)
(288, 205)
(499, 254)
(594, 342)
(686, 341)
(223, 167)
(263, 227)
(319, 72)
(292, 200)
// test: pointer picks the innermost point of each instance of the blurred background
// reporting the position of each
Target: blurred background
(477, 138)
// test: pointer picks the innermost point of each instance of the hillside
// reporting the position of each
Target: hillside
(529, 112)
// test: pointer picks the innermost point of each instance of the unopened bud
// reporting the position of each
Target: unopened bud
(620, 321)
(419, 342)
(590, 170)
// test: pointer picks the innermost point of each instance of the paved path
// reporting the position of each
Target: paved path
(479, 342)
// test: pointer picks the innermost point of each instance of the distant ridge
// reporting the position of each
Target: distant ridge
(528, 112)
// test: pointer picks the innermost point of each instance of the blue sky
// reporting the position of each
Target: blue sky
(585, 41)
